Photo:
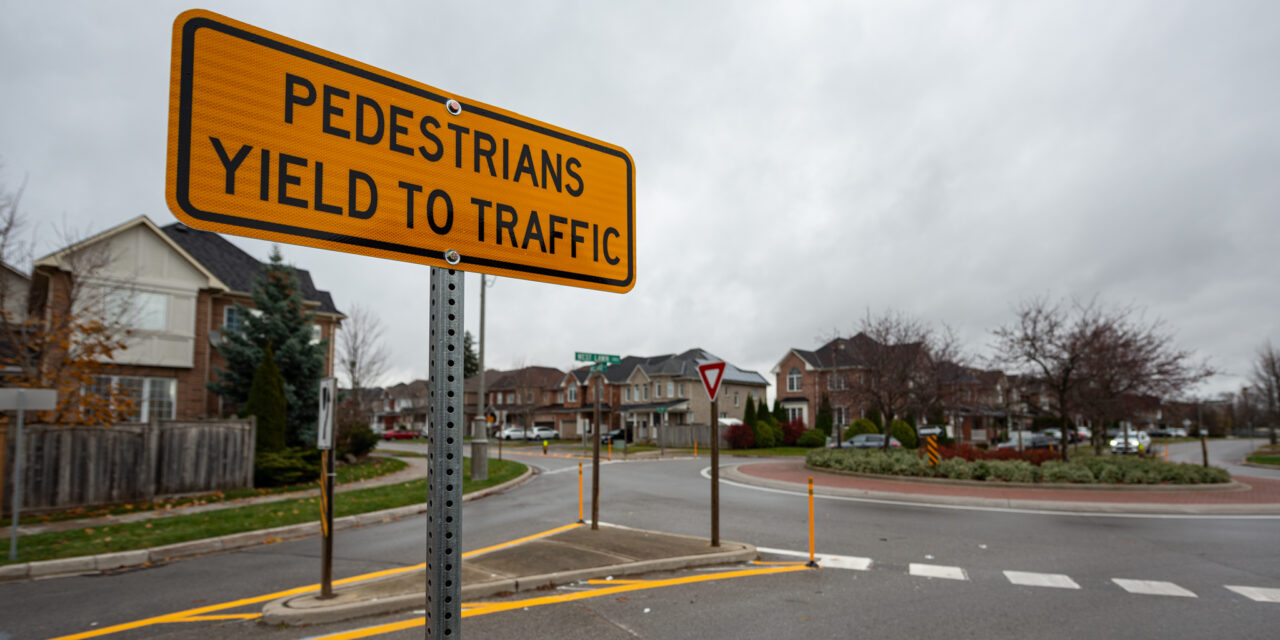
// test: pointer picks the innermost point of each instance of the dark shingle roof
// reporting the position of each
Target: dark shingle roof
(235, 267)
(684, 365)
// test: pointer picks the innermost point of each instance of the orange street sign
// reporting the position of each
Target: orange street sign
(274, 139)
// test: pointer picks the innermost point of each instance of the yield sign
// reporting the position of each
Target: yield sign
(712, 374)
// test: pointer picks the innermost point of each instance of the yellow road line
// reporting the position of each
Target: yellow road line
(189, 614)
(480, 609)
(225, 616)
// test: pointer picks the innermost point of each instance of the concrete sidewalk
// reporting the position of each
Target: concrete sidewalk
(1244, 496)
(564, 555)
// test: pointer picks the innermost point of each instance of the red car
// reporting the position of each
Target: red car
(398, 434)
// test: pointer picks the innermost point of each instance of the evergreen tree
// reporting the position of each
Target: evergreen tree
(285, 323)
(749, 413)
(823, 422)
(779, 413)
(470, 361)
(267, 402)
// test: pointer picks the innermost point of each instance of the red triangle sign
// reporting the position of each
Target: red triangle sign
(712, 374)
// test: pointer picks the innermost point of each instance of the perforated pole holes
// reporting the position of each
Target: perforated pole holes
(444, 458)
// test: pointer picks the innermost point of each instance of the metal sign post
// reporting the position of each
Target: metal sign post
(22, 399)
(444, 458)
(328, 477)
(712, 374)
(600, 361)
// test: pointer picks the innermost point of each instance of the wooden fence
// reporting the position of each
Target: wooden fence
(67, 467)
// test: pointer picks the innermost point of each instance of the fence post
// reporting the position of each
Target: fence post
(252, 448)
(151, 444)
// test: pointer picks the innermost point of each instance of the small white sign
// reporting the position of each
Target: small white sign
(931, 431)
(30, 400)
(328, 400)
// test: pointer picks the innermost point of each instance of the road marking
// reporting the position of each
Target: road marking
(706, 473)
(1029, 579)
(937, 571)
(510, 543)
(1153, 588)
(825, 560)
(485, 608)
(1257, 594)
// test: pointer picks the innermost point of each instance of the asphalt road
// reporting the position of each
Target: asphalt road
(892, 598)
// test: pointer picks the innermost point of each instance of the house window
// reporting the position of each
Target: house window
(680, 389)
(560, 397)
(735, 398)
(671, 389)
(317, 334)
(626, 394)
(528, 397)
(795, 413)
(838, 416)
(657, 389)
(837, 382)
(646, 392)
(152, 397)
(573, 393)
(511, 398)
(793, 380)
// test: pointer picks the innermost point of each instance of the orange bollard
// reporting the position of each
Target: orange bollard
(813, 562)
(695, 448)
(611, 450)
(580, 520)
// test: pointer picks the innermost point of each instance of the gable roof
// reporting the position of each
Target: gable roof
(528, 378)
(842, 353)
(683, 366)
(56, 258)
(233, 266)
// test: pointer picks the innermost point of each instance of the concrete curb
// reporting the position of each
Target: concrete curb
(732, 473)
(1048, 486)
(81, 565)
(282, 611)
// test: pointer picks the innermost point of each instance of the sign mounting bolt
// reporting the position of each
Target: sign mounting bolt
(452, 256)
(453, 106)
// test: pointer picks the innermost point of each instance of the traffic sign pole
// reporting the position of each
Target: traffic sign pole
(328, 477)
(444, 458)
(715, 473)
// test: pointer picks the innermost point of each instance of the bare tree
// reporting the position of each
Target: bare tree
(1050, 342)
(361, 353)
(79, 317)
(1131, 356)
(1266, 381)
(896, 364)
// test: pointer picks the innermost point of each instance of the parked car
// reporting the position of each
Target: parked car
(869, 441)
(399, 434)
(1168, 432)
(544, 433)
(1135, 442)
(1034, 441)
(1178, 432)
(616, 434)
(513, 433)
(1084, 433)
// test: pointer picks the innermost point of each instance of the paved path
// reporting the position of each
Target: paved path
(417, 469)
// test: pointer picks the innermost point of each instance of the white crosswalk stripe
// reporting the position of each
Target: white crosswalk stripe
(1153, 588)
(825, 560)
(1257, 594)
(1029, 579)
(937, 571)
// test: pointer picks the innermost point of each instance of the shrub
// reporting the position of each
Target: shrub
(355, 438)
(764, 435)
(1013, 471)
(1058, 471)
(285, 467)
(267, 403)
(905, 433)
(811, 438)
(740, 437)
(955, 468)
(791, 432)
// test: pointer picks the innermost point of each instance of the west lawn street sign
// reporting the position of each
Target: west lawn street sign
(275, 139)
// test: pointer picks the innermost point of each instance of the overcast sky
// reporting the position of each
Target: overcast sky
(797, 163)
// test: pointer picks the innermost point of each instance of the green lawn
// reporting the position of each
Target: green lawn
(184, 528)
(370, 467)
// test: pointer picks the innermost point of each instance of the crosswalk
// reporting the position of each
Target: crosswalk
(1029, 578)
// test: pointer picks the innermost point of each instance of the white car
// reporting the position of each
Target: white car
(513, 433)
(543, 433)
(1137, 441)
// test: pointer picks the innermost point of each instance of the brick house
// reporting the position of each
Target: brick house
(835, 370)
(182, 284)
(524, 397)
(667, 390)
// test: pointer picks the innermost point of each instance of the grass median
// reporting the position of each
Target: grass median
(196, 526)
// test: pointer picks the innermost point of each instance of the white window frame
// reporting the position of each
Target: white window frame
(142, 412)
(795, 380)
(573, 393)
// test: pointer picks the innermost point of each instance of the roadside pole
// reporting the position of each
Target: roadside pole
(480, 442)
(328, 476)
(444, 457)
(22, 399)
(595, 456)
(712, 374)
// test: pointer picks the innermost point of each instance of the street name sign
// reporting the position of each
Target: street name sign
(930, 431)
(602, 358)
(274, 139)
(712, 374)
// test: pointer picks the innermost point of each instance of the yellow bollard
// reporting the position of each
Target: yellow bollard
(695, 448)
(813, 562)
(580, 520)
(611, 450)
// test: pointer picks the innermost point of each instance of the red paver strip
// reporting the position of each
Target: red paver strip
(1261, 490)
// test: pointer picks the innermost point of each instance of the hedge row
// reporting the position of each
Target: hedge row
(1092, 470)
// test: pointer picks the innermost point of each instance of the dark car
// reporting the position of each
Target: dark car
(1036, 441)
(398, 434)
(616, 434)
(870, 441)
